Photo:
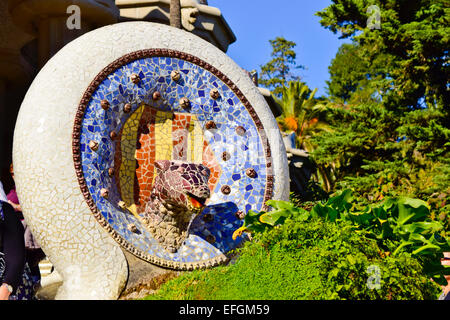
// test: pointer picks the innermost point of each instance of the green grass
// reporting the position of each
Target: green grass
(257, 275)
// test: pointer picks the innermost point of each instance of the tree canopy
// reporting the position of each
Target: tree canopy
(412, 39)
(280, 70)
(383, 130)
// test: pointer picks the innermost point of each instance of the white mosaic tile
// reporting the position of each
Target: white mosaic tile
(91, 263)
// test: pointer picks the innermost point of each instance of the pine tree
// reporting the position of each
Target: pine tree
(278, 72)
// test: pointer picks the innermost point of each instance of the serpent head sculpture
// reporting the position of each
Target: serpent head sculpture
(179, 195)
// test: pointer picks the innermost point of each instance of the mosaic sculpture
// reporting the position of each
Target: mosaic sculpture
(109, 139)
(179, 194)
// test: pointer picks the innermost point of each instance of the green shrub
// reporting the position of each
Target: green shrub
(257, 274)
(313, 260)
(398, 225)
(346, 259)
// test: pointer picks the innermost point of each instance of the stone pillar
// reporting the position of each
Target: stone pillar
(48, 20)
(15, 76)
(54, 34)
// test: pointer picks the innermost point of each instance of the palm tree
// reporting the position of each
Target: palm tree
(175, 13)
(302, 114)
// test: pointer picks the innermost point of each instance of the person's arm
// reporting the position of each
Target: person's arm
(5, 291)
(15, 206)
(13, 249)
(13, 200)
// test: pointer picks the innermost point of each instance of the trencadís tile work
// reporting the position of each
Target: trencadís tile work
(166, 105)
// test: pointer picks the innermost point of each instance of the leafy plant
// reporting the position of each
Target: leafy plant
(258, 222)
(302, 114)
(400, 225)
(312, 260)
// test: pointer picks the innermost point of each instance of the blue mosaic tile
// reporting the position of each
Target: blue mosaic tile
(228, 112)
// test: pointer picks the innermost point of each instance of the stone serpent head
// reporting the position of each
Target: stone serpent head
(179, 194)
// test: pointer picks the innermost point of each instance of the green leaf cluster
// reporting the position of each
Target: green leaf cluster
(258, 222)
(379, 153)
(409, 50)
(307, 260)
(346, 255)
(399, 225)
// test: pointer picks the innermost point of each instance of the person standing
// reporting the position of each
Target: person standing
(34, 253)
(15, 280)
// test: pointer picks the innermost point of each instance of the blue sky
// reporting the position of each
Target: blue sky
(255, 22)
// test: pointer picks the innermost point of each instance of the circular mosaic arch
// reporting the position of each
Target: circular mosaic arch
(131, 116)
(103, 110)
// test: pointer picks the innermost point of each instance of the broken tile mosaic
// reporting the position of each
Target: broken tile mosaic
(158, 128)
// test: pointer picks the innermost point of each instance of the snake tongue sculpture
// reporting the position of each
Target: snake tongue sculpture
(179, 194)
(196, 203)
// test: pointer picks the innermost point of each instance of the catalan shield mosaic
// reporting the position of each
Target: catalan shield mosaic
(154, 105)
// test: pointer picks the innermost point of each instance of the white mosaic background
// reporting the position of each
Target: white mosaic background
(93, 265)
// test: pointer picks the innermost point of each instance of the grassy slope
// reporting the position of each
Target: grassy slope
(252, 277)
(305, 261)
